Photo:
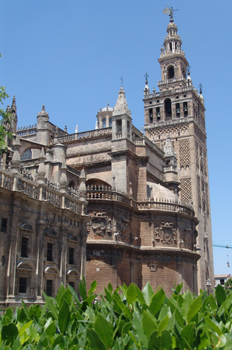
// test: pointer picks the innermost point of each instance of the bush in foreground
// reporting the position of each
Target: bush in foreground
(126, 318)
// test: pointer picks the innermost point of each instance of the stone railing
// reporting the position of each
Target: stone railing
(165, 205)
(105, 193)
(42, 192)
(83, 135)
(27, 130)
(97, 193)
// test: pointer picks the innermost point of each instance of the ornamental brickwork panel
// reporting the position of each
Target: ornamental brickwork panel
(184, 153)
(174, 129)
(186, 190)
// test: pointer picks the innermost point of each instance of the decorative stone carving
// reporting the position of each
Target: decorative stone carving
(153, 267)
(165, 234)
(100, 225)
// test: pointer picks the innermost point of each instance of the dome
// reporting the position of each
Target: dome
(160, 192)
(107, 108)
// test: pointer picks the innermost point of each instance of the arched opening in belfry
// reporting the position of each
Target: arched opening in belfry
(168, 108)
(171, 73)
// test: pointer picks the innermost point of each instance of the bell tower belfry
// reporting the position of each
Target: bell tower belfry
(177, 110)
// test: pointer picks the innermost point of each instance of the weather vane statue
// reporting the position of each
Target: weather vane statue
(169, 11)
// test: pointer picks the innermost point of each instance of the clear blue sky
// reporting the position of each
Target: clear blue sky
(69, 55)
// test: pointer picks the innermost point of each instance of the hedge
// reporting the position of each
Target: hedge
(125, 318)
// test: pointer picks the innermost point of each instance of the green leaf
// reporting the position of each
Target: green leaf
(163, 324)
(137, 324)
(110, 288)
(50, 304)
(9, 312)
(74, 294)
(163, 342)
(139, 294)
(148, 293)
(149, 325)
(214, 325)
(104, 330)
(188, 334)
(64, 316)
(9, 333)
(67, 296)
(131, 294)
(92, 288)
(220, 294)
(60, 293)
(126, 328)
(95, 341)
(82, 289)
(157, 301)
(24, 328)
(194, 308)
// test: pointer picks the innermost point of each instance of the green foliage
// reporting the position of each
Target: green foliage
(228, 286)
(5, 117)
(124, 319)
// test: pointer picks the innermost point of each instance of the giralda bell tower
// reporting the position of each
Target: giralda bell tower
(178, 110)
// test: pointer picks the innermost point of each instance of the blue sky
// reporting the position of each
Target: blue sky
(69, 55)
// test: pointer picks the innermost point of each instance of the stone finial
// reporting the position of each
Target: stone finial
(146, 89)
(43, 113)
(96, 125)
(41, 170)
(121, 106)
(76, 129)
(63, 177)
(65, 128)
(15, 163)
(13, 105)
(82, 187)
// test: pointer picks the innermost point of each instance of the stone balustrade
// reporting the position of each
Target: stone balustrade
(83, 135)
(43, 192)
(27, 130)
(97, 193)
(165, 205)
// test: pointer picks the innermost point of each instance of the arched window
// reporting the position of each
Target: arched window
(168, 108)
(104, 122)
(26, 155)
(171, 72)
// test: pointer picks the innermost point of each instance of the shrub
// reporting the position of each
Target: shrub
(125, 318)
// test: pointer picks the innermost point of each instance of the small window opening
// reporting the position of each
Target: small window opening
(104, 122)
(177, 110)
(185, 109)
(110, 122)
(128, 129)
(176, 45)
(49, 252)
(171, 73)
(4, 225)
(72, 284)
(71, 256)
(119, 127)
(168, 108)
(170, 46)
(49, 288)
(24, 247)
(151, 115)
(158, 113)
(22, 285)
(150, 102)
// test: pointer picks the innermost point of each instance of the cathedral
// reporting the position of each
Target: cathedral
(115, 204)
